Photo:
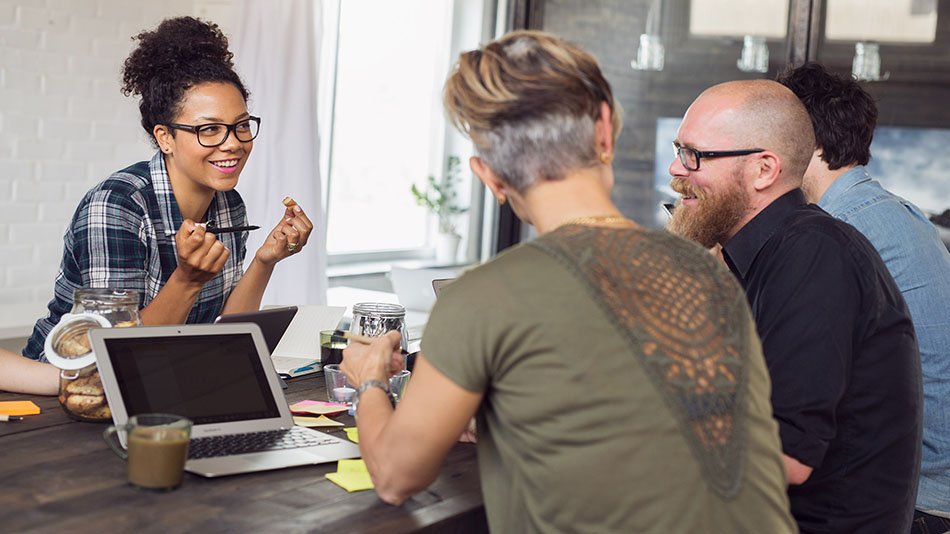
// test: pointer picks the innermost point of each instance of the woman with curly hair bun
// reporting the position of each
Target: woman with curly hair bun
(151, 227)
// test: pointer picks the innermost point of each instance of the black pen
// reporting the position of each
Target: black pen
(230, 230)
(10, 418)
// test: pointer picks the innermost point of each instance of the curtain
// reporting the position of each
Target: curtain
(276, 53)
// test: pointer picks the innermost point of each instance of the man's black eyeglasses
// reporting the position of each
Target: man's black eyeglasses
(690, 157)
(216, 133)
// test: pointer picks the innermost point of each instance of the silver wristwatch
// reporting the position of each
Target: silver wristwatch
(367, 384)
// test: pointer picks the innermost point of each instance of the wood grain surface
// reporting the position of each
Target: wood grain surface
(58, 475)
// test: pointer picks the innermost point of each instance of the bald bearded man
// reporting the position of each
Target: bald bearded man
(836, 334)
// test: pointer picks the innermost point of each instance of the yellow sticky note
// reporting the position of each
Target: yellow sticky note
(20, 408)
(351, 475)
(353, 433)
(312, 422)
(357, 465)
(320, 410)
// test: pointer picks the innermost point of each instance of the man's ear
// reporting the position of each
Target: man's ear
(769, 169)
(489, 178)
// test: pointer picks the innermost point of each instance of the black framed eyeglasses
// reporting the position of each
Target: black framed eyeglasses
(690, 157)
(215, 134)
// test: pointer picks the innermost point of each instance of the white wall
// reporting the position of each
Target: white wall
(64, 126)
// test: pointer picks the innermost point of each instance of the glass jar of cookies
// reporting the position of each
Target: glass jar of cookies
(67, 347)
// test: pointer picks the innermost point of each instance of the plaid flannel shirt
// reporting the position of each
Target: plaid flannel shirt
(122, 236)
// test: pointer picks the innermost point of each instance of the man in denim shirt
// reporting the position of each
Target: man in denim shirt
(844, 116)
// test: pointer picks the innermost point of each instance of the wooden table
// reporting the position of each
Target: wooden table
(58, 475)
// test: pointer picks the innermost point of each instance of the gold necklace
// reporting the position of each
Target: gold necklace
(596, 219)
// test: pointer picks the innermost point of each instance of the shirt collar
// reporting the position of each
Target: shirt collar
(219, 211)
(740, 251)
(162, 184)
(842, 184)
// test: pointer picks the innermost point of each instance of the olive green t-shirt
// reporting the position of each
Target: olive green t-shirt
(624, 387)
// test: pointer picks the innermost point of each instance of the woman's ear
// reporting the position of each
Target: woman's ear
(604, 132)
(489, 178)
(163, 137)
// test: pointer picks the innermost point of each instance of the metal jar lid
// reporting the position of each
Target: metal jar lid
(379, 309)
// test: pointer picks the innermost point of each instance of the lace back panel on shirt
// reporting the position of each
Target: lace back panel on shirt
(680, 318)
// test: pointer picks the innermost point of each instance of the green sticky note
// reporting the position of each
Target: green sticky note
(353, 434)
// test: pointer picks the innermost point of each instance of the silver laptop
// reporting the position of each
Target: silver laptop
(273, 322)
(413, 289)
(222, 378)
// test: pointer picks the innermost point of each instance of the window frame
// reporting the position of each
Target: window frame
(478, 222)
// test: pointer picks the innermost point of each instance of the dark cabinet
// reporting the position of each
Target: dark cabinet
(705, 42)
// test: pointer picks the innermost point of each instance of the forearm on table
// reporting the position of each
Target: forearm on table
(392, 467)
(247, 294)
(23, 375)
(404, 448)
(173, 302)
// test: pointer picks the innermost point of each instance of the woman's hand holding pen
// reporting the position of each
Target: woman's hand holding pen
(200, 255)
(288, 237)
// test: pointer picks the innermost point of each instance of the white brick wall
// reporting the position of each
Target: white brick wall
(64, 125)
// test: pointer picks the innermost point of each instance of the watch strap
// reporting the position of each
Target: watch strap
(372, 383)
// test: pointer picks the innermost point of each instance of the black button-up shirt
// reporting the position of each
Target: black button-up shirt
(841, 352)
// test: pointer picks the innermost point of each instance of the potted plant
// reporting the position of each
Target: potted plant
(441, 199)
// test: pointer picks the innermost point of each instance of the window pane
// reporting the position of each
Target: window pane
(897, 21)
(765, 18)
(388, 126)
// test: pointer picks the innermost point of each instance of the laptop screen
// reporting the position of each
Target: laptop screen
(206, 378)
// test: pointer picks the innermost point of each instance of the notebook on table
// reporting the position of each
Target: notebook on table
(222, 378)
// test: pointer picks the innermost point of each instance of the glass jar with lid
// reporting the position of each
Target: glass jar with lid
(376, 318)
(67, 347)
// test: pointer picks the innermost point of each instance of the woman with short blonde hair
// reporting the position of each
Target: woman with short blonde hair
(614, 372)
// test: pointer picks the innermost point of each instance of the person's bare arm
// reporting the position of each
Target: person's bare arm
(23, 375)
(200, 257)
(289, 237)
(797, 472)
(404, 448)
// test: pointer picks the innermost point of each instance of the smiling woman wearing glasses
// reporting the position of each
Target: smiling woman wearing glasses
(150, 227)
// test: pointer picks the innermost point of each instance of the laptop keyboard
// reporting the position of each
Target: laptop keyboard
(270, 440)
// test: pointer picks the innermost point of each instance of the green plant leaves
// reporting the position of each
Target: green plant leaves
(440, 197)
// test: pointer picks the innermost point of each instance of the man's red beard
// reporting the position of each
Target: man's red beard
(711, 219)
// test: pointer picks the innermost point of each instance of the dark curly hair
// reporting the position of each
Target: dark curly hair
(178, 55)
(842, 113)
